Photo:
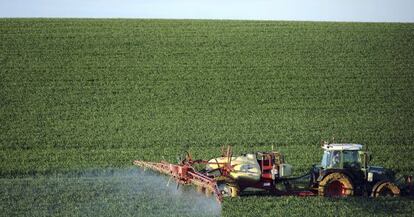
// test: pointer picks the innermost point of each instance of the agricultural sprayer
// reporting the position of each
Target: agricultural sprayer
(344, 171)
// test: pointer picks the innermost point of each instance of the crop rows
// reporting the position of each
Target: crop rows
(79, 94)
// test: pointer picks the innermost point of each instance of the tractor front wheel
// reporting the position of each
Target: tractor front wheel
(385, 189)
(336, 185)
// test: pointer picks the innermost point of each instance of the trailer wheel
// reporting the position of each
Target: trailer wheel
(336, 185)
(384, 189)
(234, 190)
(229, 190)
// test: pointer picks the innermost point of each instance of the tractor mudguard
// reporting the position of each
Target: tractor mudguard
(326, 172)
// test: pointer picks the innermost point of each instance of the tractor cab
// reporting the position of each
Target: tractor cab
(340, 156)
(345, 171)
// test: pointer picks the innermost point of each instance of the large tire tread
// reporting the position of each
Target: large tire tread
(337, 178)
(385, 188)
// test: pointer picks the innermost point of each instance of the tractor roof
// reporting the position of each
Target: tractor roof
(342, 146)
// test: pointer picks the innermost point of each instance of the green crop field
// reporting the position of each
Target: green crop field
(81, 98)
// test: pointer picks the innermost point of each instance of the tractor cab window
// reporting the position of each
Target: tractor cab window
(336, 158)
(350, 158)
(326, 159)
(331, 159)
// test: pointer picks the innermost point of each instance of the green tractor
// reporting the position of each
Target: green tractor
(345, 171)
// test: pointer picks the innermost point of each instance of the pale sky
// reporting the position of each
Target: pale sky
(307, 10)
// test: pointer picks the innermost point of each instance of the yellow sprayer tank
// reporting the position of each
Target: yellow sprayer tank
(246, 167)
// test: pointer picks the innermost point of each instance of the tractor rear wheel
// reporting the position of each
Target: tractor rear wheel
(336, 185)
(385, 189)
